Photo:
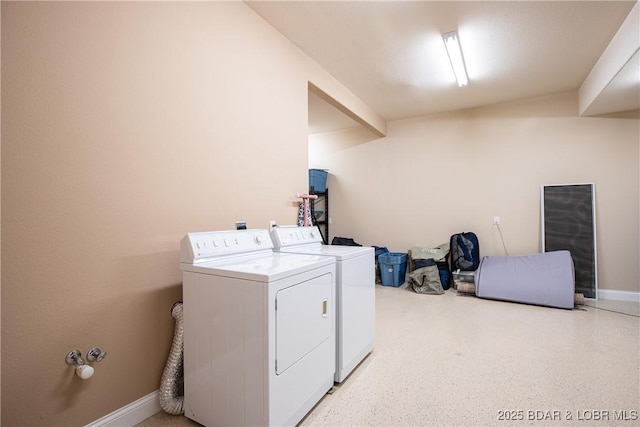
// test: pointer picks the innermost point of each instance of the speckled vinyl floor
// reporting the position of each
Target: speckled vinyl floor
(449, 360)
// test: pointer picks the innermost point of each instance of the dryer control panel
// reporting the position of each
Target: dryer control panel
(211, 245)
(292, 236)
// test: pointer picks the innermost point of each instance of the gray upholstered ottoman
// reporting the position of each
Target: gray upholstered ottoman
(543, 279)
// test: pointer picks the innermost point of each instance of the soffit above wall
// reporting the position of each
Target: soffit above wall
(390, 54)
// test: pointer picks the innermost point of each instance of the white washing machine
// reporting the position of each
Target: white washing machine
(259, 329)
(355, 286)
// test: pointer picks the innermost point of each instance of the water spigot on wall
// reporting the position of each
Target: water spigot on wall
(74, 358)
(96, 355)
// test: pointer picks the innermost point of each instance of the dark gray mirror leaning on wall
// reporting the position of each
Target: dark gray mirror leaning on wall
(569, 222)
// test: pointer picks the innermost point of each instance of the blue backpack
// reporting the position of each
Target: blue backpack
(465, 252)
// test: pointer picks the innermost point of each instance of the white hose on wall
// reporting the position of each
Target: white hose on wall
(171, 400)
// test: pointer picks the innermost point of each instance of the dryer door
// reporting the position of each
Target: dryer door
(304, 320)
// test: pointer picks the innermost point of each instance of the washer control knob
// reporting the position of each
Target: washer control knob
(259, 239)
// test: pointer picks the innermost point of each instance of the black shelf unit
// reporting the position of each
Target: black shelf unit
(322, 200)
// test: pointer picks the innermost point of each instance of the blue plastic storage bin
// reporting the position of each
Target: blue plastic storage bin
(393, 268)
(317, 180)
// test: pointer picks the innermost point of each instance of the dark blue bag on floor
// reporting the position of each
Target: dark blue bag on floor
(380, 250)
(465, 252)
(445, 274)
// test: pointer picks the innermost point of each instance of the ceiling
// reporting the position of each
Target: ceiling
(390, 53)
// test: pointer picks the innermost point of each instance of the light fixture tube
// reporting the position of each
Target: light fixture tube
(454, 51)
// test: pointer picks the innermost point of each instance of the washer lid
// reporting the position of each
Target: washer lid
(264, 267)
(341, 253)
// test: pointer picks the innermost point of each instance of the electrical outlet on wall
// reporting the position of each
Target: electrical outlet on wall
(496, 220)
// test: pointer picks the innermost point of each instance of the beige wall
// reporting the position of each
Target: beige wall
(435, 176)
(125, 126)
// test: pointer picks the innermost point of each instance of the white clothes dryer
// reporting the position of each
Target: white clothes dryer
(355, 286)
(259, 329)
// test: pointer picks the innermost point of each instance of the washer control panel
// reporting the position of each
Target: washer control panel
(200, 247)
(291, 236)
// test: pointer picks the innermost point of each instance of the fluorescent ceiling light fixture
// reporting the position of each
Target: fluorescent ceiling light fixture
(454, 51)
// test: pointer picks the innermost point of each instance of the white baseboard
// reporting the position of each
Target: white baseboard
(131, 414)
(618, 295)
